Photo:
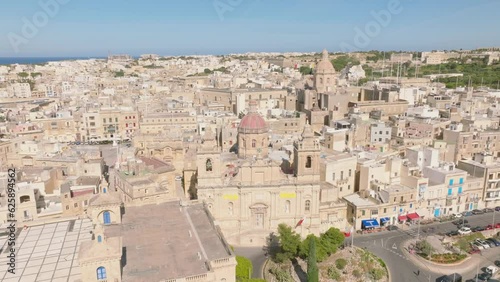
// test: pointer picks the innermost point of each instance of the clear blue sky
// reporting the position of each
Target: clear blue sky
(96, 27)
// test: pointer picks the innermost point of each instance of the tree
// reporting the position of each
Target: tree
(341, 62)
(331, 240)
(424, 247)
(289, 243)
(320, 252)
(305, 70)
(243, 268)
(312, 264)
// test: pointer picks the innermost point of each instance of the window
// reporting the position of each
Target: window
(208, 166)
(461, 181)
(67, 207)
(341, 175)
(451, 182)
(76, 205)
(350, 172)
(459, 190)
(402, 198)
(254, 143)
(308, 162)
(106, 216)
(308, 205)
(99, 239)
(385, 210)
(66, 196)
(411, 206)
(450, 192)
(287, 206)
(363, 212)
(348, 187)
(101, 273)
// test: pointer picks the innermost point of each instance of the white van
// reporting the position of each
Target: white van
(492, 269)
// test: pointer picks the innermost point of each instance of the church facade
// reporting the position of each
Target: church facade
(251, 191)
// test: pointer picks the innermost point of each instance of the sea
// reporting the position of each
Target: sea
(39, 60)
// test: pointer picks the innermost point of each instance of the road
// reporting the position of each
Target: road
(387, 245)
(256, 255)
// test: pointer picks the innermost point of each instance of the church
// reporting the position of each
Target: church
(251, 191)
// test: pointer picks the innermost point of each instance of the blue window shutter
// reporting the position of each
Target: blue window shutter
(459, 190)
(451, 182)
(450, 192)
(461, 180)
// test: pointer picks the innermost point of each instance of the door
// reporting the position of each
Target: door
(106, 217)
(259, 220)
(437, 212)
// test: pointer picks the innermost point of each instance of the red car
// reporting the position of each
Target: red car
(489, 227)
(474, 250)
(497, 225)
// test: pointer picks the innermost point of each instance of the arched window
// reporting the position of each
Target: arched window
(308, 162)
(106, 217)
(254, 143)
(308, 205)
(209, 165)
(99, 238)
(230, 208)
(101, 273)
(104, 190)
(287, 206)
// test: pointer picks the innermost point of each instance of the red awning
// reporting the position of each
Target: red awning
(347, 234)
(413, 216)
(402, 218)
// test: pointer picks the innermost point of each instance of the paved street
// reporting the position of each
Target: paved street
(256, 255)
(387, 245)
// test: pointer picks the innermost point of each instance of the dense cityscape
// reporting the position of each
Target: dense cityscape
(346, 164)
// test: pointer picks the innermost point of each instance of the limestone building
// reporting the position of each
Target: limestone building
(251, 191)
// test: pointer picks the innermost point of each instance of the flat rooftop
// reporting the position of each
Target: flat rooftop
(179, 242)
(48, 253)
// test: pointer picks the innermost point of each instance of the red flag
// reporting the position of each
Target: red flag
(300, 222)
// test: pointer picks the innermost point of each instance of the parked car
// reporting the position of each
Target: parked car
(477, 229)
(484, 276)
(495, 241)
(467, 213)
(457, 215)
(178, 178)
(477, 245)
(497, 262)
(497, 208)
(477, 212)
(482, 243)
(474, 250)
(464, 231)
(460, 221)
(464, 225)
(491, 242)
(489, 227)
(452, 233)
(488, 210)
(392, 227)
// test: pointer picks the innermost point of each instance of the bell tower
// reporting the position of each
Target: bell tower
(307, 156)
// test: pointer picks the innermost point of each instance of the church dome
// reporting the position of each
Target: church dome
(325, 66)
(252, 122)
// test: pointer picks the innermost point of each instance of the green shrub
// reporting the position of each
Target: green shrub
(377, 274)
(356, 273)
(243, 268)
(333, 273)
(340, 263)
(281, 275)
